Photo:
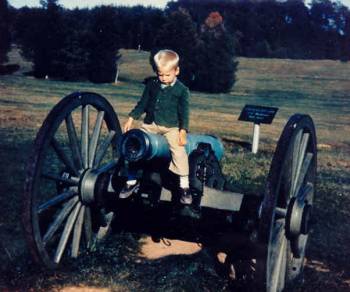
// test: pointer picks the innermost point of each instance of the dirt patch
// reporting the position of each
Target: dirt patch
(82, 289)
(152, 250)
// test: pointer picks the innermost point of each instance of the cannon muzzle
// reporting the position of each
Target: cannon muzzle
(137, 145)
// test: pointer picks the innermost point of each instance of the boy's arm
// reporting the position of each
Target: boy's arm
(183, 115)
(182, 137)
(128, 124)
(139, 109)
(183, 110)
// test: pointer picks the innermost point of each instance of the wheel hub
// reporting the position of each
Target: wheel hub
(298, 217)
(305, 221)
(93, 187)
(87, 186)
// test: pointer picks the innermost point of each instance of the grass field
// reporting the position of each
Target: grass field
(318, 88)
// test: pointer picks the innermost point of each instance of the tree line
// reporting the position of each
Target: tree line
(83, 44)
(280, 29)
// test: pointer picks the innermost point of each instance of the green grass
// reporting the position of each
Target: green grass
(318, 88)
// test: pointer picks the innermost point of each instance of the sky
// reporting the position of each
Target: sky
(92, 3)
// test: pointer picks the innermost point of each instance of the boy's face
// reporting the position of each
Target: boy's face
(166, 75)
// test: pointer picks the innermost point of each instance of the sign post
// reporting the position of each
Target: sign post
(257, 115)
(256, 136)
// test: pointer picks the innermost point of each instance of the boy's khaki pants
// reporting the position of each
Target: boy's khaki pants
(179, 158)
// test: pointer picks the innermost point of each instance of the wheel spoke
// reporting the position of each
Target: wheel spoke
(88, 227)
(304, 195)
(276, 255)
(63, 157)
(73, 140)
(66, 232)
(55, 201)
(77, 232)
(301, 157)
(59, 219)
(295, 159)
(303, 171)
(283, 265)
(94, 137)
(103, 148)
(281, 212)
(85, 135)
(67, 181)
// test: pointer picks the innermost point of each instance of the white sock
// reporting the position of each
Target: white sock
(184, 182)
(131, 182)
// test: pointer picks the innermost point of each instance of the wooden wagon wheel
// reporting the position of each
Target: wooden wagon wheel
(73, 154)
(286, 207)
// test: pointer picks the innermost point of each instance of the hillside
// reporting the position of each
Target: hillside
(318, 88)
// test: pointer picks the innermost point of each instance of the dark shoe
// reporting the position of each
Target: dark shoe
(189, 211)
(185, 196)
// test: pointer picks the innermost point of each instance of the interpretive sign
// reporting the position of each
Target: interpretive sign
(258, 114)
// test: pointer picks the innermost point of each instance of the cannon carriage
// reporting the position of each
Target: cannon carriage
(80, 162)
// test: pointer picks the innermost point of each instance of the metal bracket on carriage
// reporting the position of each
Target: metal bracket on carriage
(213, 198)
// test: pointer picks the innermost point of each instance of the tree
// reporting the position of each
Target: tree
(27, 29)
(216, 65)
(323, 17)
(41, 34)
(5, 39)
(52, 59)
(262, 49)
(179, 34)
(295, 32)
(153, 20)
(103, 45)
(74, 57)
(345, 49)
(70, 45)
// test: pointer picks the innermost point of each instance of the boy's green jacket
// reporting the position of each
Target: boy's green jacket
(165, 106)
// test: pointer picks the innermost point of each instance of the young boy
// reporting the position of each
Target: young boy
(165, 101)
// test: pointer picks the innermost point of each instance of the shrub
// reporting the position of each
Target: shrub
(216, 65)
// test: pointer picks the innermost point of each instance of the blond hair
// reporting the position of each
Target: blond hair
(167, 59)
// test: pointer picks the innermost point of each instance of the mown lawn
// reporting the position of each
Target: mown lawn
(318, 88)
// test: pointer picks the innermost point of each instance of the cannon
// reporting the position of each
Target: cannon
(80, 162)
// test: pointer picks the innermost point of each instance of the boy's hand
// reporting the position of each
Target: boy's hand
(128, 124)
(182, 137)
